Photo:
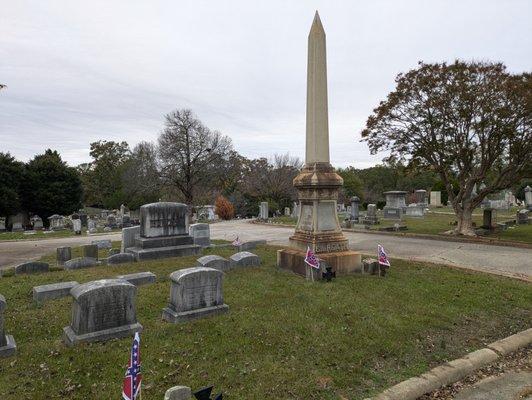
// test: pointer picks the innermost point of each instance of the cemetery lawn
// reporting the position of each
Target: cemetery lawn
(437, 224)
(41, 235)
(283, 338)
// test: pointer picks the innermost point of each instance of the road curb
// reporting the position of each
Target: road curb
(455, 370)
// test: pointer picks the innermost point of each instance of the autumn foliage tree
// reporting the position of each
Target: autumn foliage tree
(224, 208)
(468, 122)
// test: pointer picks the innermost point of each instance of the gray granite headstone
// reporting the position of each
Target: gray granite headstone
(128, 237)
(415, 210)
(195, 293)
(201, 234)
(178, 393)
(213, 261)
(528, 198)
(120, 258)
(2, 224)
(163, 232)
(90, 250)
(371, 215)
(139, 278)
(80, 262)
(103, 243)
(395, 204)
(251, 244)
(102, 310)
(52, 291)
(8, 347)
(522, 217)
(31, 267)
(244, 259)
(63, 255)
(354, 212)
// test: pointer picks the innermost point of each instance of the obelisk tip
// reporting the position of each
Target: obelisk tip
(316, 24)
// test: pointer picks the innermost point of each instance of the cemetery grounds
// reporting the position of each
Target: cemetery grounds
(283, 338)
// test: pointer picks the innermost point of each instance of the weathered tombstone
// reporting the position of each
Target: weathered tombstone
(201, 234)
(84, 219)
(354, 211)
(8, 347)
(421, 197)
(395, 204)
(287, 211)
(63, 255)
(17, 222)
(295, 210)
(178, 393)
(139, 278)
(2, 224)
(90, 250)
(120, 258)
(57, 222)
(126, 221)
(251, 244)
(487, 219)
(195, 293)
(128, 237)
(528, 198)
(264, 212)
(102, 310)
(163, 232)
(36, 221)
(371, 215)
(76, 224)
(435, 198)
(370, 266)
(92, 225)
(103, 243)
(244, 259)
(111, 221)
(104, 213)
(52, 291)
(522, 217)
(31, 267)
(213, 261)
(80, 262)
(415, 210)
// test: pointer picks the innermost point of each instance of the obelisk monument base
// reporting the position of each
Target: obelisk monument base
(318, 227)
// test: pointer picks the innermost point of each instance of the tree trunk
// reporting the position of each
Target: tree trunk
(465, 222)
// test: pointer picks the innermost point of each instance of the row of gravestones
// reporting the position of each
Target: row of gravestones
(106, 308)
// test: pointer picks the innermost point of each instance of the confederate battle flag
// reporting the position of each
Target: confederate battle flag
(132, 380)
(311, 259)
(383, 257)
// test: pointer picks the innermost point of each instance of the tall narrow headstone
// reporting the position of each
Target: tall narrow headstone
(64, 254)
(354, 212)
(318, 184)
(528, 198)
(8, 347)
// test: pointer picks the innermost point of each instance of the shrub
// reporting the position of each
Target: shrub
(224, 208)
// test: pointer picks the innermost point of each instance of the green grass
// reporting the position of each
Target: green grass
(436, 224)
(283, 338)
(38, 235)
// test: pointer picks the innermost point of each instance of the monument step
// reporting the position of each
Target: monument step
(164, 241)
(164, 252)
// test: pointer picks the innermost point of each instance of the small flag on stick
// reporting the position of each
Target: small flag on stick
(133, 377)
(311, 259)
(236, 242)
(383, 257)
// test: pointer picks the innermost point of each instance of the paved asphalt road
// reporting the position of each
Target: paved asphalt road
(502, 260)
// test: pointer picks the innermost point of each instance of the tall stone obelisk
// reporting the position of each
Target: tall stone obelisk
(318, 227)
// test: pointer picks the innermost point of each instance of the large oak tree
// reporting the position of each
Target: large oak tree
(468, 122)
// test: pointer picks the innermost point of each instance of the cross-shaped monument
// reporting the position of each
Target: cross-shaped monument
(317, 183)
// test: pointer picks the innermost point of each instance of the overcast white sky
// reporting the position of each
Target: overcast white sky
(80, 71)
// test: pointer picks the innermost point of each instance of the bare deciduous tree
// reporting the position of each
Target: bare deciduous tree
(190, 154)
